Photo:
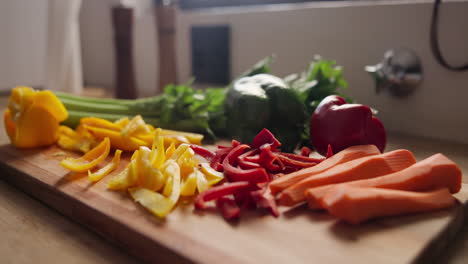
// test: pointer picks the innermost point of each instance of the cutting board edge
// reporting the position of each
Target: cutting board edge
(49, 196)
(441, 241)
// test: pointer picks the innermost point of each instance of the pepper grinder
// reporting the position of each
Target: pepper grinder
(122, 18)
(165, 11)
(399, 73)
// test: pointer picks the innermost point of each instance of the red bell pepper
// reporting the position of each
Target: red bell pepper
(341, 125)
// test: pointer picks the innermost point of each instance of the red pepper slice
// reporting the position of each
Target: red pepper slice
(267, 159)
(305, 151)
(329, 151)
(295, 163)
(204, 152)
(301, 158)
(266, 137)
(246, 164)
(228, 207)
(264, 199)
(217, 161)
(220, 191)
(235, 174)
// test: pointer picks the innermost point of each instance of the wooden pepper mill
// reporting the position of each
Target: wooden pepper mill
(122, 18)
(165, 12)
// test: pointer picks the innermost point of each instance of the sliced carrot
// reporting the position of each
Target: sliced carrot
(435, 172)
(343, 156)
(362, 168)
(358, 204)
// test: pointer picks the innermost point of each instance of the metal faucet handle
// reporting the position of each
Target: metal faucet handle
(399, 73)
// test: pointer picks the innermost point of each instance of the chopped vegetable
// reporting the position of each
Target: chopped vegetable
(124, 134)
(358, 204)
(248, 170)
(156, 177)
(343, 125)
(343, 156)
(432, 173)
(32, 117)
(102, 172)
(155, 202)
(220, 191)
(89, 160)
(228, 207)
(362, 168)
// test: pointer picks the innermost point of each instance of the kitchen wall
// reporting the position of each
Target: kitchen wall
(23, 28)
(355, 35)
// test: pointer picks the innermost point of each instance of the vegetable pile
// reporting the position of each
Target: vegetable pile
(248, 169)
(355, 181)
(359, 183)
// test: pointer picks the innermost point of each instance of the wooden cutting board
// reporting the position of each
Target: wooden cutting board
(297, 236)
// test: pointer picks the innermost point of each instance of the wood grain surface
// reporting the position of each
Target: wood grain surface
(298, 236)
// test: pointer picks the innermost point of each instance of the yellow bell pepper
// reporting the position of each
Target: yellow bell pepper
(32, 117)
(89, 160)
(102, 172)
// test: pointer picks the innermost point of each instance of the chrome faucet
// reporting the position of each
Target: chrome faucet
(399, 73)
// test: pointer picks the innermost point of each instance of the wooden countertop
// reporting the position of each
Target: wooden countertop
(32, 232)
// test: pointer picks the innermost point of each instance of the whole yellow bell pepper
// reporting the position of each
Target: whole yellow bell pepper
(32, 117)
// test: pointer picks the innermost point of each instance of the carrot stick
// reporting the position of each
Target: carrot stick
(358, 204)
(435, 172)
(362, 168)
(343, 156)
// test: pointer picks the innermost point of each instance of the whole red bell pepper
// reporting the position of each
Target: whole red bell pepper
(341, 125)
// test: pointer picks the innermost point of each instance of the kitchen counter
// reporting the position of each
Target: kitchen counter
(32, 232)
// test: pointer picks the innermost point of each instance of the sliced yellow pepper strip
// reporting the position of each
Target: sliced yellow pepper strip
(135, 126)
(170, 150)
(89, 160)
(118, 141)
(102, 172)
(202, 183)
(193, 138)
(158, 155)
(189, 186)
(148, 177)
(124, 179)
(212, 176)
(122, 122)
(172, 171)
(79, 140)
(100, 123)
(155, 202)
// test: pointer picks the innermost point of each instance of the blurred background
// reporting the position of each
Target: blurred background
(136, 47)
